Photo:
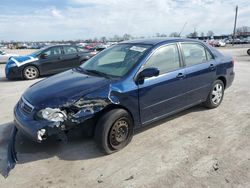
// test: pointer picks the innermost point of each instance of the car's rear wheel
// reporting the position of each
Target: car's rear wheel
(114, 130)
(30, 73)
(216, 94)
(248, 51)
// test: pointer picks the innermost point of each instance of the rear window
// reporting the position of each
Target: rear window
(193, 53)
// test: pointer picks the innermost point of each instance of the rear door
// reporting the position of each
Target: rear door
(70, 57)
(50, 61)
(164, 94)
(200, 71)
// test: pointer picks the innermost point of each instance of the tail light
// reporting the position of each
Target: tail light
(233, 61)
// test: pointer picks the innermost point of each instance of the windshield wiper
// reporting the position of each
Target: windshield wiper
(97, 73)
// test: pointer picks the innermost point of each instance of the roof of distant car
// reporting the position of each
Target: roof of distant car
(155, 41)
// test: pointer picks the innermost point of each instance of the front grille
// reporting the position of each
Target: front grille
(25, 106)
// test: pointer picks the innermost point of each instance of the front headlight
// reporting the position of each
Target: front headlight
(52, 114)
(12, 65)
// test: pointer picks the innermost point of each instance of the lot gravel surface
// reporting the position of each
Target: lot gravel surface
(195, 148)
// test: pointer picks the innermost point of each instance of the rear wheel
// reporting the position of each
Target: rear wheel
(215, 95)
(248, 51)
(114, 130)
(30, 72)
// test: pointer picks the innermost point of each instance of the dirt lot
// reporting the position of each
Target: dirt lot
(195, 148)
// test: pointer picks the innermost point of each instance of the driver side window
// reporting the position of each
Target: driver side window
(166, 59)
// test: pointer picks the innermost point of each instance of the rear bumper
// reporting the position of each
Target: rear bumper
(230, 78)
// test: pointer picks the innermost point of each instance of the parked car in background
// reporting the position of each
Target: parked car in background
(238, 41)
(48, 60)
(248, 51)
(221, 43)
(216, 43)
(123, 88)
(246, 40)
(5, 56)
(95, 50)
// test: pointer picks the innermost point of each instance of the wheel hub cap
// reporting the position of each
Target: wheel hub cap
(217, 93)
(30, 72)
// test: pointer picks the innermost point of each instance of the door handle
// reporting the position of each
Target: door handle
(212, 67)
(180, 75)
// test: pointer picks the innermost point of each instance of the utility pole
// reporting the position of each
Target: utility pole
(235, 21)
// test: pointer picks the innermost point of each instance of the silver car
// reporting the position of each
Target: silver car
(5, 56)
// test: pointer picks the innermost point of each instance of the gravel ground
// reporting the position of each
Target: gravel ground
(195, 148)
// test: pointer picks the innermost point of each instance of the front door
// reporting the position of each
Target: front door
(50, 61)
(164, 94)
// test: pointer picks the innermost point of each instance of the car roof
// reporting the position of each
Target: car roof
(56, 45)
(159, 40)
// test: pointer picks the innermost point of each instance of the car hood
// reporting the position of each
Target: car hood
(63, 89)
(22, 60)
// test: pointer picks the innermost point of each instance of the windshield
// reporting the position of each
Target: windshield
(37, 53)
(115, 61)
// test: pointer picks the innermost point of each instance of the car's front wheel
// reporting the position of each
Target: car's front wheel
(216, 94)
(30, 73)
(114, 130)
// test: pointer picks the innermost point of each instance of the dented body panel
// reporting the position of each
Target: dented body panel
(81, 96)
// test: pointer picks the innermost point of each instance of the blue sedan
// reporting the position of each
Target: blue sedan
(123, 88)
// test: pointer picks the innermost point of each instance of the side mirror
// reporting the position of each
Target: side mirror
(43, 56)
(149, 72)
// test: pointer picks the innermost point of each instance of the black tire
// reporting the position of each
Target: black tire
(248, 51)
(30, 73)
(114, 130)
(215, 95)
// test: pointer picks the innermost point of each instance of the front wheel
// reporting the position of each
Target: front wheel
(248, 51)
(30, 73)
(114, 130)
(215, 95)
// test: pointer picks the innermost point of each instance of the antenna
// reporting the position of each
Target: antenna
(182, 29)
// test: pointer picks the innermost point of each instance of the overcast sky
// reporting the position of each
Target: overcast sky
(81, 19)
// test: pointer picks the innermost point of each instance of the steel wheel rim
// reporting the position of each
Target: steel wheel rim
(119, 133)
(217, 94)
(30, 72)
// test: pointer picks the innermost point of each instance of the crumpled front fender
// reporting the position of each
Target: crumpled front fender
(93, 103)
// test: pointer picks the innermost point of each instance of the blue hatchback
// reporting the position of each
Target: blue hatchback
(125, 87)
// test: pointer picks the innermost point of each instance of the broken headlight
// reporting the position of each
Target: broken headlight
(52, 114)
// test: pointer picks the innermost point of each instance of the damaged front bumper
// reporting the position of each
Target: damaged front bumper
(35, 130)
(11, 153)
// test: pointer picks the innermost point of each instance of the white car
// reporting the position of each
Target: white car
(222, 43)
(4, 56)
